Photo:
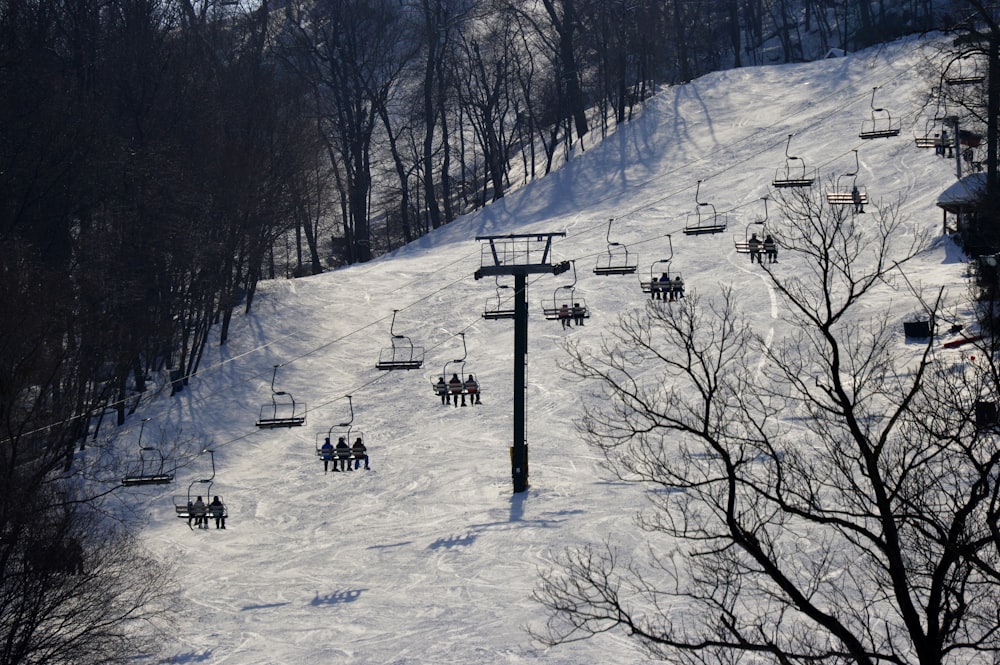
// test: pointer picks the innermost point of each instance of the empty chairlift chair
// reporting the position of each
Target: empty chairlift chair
(502, 306)
(617, 260)
(701, 221)
(283, 411)
(881, 125)
(967, 68)
(151, 469)
(794, 172)
(402, 354)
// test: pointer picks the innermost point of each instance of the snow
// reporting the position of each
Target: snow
(967, 190)
(430, 557)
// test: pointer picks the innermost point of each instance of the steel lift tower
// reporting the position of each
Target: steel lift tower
(520, 256)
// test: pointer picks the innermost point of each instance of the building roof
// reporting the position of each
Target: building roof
(963, 195)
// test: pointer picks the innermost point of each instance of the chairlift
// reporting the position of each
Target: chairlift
(848, 194)
(744, 246)
(565, 304)
(152, 467)
(700, 224)
(617, 260)
(793, 173)
(339, 431)
(186, 507)
(402, 354)
(454, 382)
(929, 138)
(669, 285)
(881, 124)
(970, 70)
(283, 412)
(500, 307)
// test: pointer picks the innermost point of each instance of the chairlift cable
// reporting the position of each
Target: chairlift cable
(683, 167)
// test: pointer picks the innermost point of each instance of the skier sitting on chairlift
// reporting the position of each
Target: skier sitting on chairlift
(662, 287)
(455, 386)
(360, 453)
(343, 455)
(217, 510)
(472, 387)
(441, 388)
(770, 249)
(564, 315)
(326, 452)
(754, 246)
(200, 520)
(677, 289)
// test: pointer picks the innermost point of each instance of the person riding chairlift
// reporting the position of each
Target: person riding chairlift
(455, 386)
(472, 388)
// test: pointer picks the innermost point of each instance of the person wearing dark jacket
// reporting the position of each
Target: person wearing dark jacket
(441, 388)
(753, 245)
(200, 519)
(343, 455)
(770, 249)
(327, 454)
(455, 386)
(360, 452)
(472, 388)
(217, 510)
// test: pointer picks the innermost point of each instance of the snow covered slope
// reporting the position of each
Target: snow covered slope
(429, 557)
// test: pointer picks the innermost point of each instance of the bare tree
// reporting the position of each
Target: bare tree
(77, 588)
(821, 497)
(352, 60)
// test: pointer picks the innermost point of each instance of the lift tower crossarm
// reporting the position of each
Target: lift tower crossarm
(512, 255)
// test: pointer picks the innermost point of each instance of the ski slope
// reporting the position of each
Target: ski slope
(429, 557)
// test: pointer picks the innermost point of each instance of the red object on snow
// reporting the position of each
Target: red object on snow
(955, 343)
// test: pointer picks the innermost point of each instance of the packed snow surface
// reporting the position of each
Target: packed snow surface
(430, 557)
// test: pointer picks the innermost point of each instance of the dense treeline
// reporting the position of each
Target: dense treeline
(160, 157)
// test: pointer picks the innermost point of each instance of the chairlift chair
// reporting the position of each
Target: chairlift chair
(402, 354)
(929, 138)
(617, 260)
(184, 505)
(700, 224)
(283, 412)
(743, 246)
(660, 273)
(844, 194)
(151, 470)
(468, 383)
(339, 431)
(657, 271)
(566, 295)
(793, 173)
(971, 70)
(499, 307)
(881, 124)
